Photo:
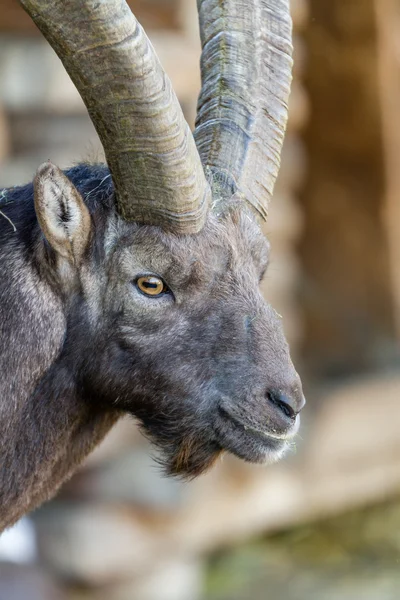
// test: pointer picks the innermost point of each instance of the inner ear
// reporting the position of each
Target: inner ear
(61, 212)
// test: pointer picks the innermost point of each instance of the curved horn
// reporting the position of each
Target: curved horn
(242, 111)
(149, 148)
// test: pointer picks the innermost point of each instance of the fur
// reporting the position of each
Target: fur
(205, 368)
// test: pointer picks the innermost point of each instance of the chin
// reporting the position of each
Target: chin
(195, 451)
(269, 456)
(251, 449)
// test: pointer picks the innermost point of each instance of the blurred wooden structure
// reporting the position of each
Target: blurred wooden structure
(388, 23)
(348, 250)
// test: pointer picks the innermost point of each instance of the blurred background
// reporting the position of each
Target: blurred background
(324, 524)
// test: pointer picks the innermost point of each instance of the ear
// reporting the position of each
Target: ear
(61, 212)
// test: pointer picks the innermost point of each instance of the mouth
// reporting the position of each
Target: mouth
(250, 443)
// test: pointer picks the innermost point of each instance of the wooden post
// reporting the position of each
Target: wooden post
(347, 290)
(388, 20)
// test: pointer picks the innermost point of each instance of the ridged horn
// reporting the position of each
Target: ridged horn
(154, 162)
(242, 111)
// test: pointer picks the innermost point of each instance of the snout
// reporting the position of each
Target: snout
(260, 428)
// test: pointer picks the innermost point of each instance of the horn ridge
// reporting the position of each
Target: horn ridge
(242, 109)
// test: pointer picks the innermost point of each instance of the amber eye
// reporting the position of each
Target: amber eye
(151, 286)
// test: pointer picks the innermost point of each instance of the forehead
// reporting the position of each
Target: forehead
(222, 245)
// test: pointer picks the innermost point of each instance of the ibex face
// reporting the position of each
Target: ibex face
(173, 328)
(166, 320)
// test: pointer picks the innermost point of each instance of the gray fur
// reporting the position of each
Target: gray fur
(200, 368)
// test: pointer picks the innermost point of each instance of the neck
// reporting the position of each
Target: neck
(46, 427)
(50, 434)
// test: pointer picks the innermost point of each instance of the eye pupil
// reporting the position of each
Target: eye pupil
(151, 286)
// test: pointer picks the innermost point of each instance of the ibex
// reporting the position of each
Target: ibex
(134, 288)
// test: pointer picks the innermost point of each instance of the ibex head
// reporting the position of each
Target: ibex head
(160, 273)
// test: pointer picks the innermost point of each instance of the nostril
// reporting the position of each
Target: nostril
(285, 403)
